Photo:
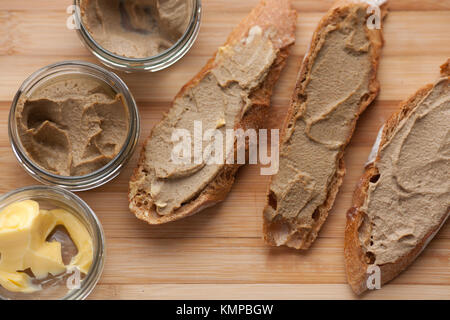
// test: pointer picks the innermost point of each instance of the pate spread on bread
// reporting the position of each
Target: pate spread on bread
(403, 197)
(336, 83)
(232, 91)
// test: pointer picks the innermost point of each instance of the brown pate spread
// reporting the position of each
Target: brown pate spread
(218, 100)
(136, 28)
(314, 138)
(72, 126)
(412, 193)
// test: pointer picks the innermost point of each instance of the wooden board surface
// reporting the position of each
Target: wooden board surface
(219, 252)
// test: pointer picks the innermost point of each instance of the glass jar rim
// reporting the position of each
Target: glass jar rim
(99, 176)
(154, 63)
(89, 217)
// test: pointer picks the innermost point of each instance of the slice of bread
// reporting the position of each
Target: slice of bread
(337, 81)
(232, 91)
(403, 197)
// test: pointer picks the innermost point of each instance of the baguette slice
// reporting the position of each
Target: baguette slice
(403, 198)
(232, 91)
(337, 81)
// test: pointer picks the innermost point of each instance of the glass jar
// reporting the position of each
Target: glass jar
(65, 69)
(50, 197)
(153, 63)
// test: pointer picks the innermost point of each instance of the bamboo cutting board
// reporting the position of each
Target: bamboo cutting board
(219, 253)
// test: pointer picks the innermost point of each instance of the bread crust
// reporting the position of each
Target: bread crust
(269, 14)
(376, 38)
(355, 259)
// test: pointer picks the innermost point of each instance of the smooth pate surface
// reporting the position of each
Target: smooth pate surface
(412, 194)
(136, 28)
(218, 100)
(314, 138)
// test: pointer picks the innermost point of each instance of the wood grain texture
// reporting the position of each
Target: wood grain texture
(219, 253)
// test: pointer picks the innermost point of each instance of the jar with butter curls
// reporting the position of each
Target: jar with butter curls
(51, 245)
(73, 124)
(138, 35)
